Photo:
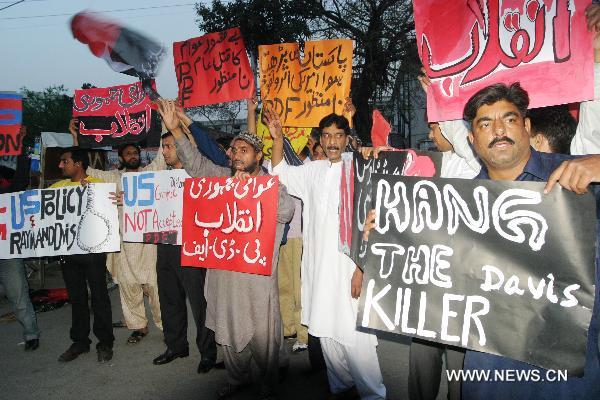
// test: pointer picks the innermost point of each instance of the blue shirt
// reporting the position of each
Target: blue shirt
(208, 146)
(539, 168)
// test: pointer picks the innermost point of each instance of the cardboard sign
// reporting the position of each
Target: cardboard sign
(468, 45)
(116, 115)
(53, 222)
(303, 91)
(213, 68)
(484, 265)
(11, 113)
(153, 206)
(230, 224)
(357, 184)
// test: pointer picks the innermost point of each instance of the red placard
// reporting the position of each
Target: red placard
(230, 224)
(467, 45)
(213, 68)
(11, 111)
(116, 115)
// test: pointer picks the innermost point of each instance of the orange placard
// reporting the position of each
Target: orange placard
(303, 91)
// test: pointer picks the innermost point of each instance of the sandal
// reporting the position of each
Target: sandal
(136, 337)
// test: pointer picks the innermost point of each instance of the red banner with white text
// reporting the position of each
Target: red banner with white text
(116, 115)
(230, 224)
(466, 45)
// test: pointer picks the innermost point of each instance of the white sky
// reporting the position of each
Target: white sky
(40, 52)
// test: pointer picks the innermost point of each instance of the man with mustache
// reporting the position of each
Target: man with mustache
(242, 309)
(331, 282)
(500, 135)
(134, 267)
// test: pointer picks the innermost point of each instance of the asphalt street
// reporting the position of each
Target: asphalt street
(131, 374)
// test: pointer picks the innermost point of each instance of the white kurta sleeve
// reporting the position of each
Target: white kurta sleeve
(587, 136)
(294, 178)
(457, 133)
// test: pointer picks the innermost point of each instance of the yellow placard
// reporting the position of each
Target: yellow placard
(298, 137)
(303, 91)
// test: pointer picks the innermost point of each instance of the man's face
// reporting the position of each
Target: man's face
(244, 157)
(130, 158)
(438, 139)
(500, 135)
(67, 166)
(333, 140)
(170, 151)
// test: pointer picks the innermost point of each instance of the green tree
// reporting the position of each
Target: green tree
(47, 111)
(385, 50)
(260, 21)
(383, 30)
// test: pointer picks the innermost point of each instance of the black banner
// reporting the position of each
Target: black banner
(493, 266)
(357, 187)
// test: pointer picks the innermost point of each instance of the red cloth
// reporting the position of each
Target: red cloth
(380, 130)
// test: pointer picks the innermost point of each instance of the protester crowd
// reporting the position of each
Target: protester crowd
(312, 294)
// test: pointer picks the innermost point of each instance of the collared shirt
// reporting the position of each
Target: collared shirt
(539, 167)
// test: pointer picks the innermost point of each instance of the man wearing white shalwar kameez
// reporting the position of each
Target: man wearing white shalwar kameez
(330, 279)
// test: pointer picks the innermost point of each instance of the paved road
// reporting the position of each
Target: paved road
(131, 374)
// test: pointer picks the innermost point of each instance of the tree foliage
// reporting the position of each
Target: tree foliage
(47, 111)
(383, 31)
(260, 21)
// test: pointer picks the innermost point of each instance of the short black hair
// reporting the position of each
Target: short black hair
(122, 148)
(339, 121)
(304, 152)
(224, 141)
(166, 135)
(489, 95)
(315, 133)
(78, 155)
(556, 124)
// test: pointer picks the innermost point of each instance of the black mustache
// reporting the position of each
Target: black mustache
(500, 139)
(332, 148)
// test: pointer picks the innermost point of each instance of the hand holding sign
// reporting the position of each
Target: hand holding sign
(369, 224)
(356, 283)
(116, 197)
(575, 175)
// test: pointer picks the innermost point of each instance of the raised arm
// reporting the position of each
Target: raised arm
(276, 131)
(190, 157)
(205, 143)
(73, 128)
(252, 105)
